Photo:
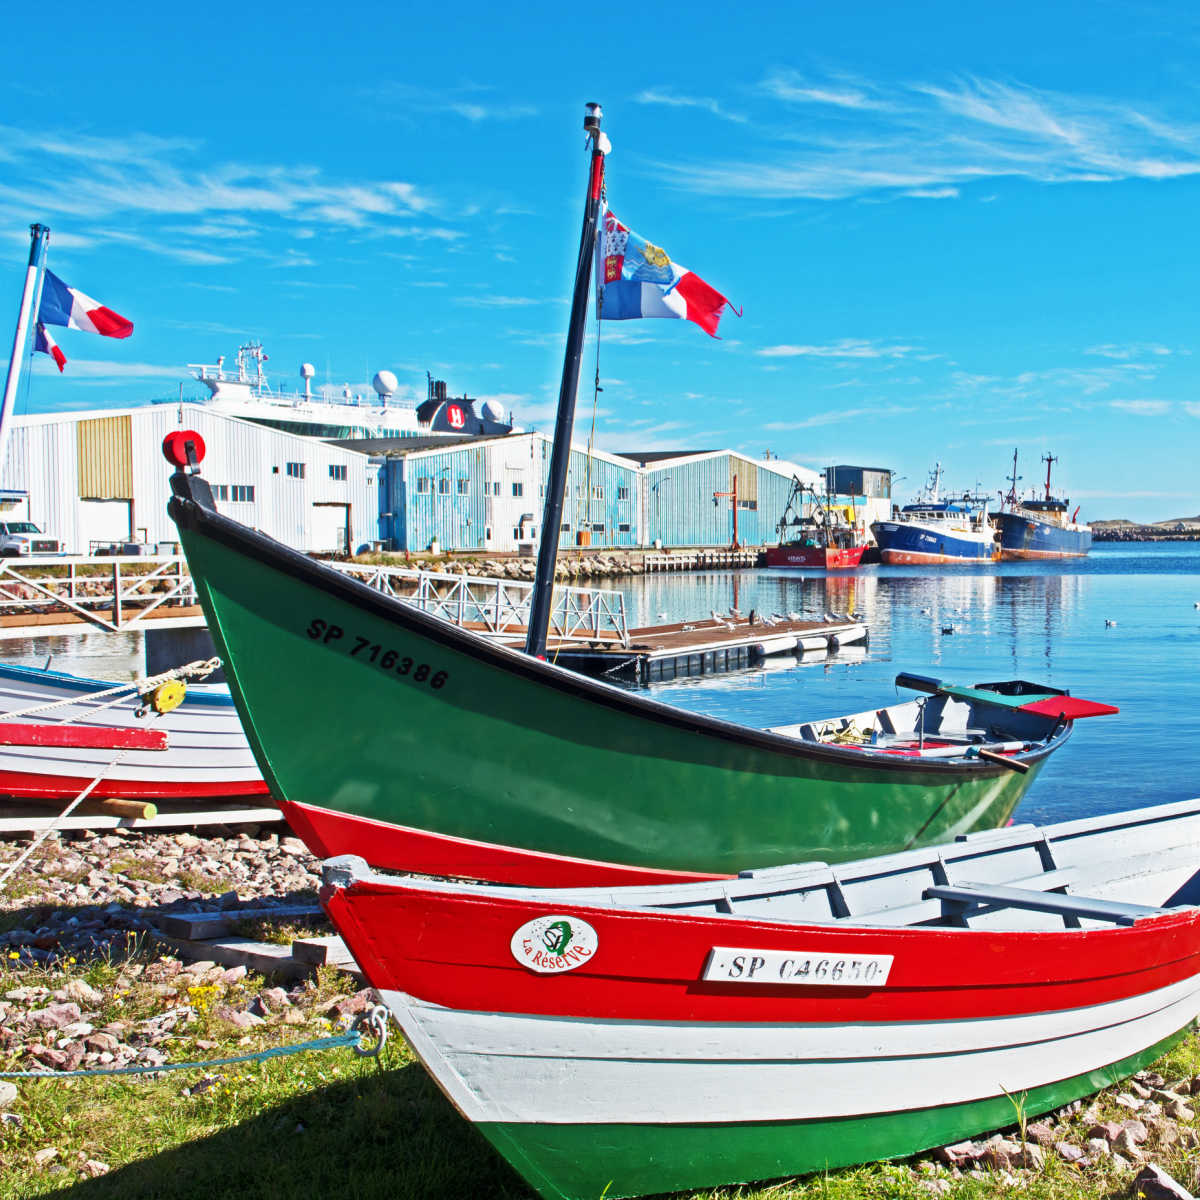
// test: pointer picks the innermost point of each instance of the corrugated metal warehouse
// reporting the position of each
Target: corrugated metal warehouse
(488, 495)
(100, 478)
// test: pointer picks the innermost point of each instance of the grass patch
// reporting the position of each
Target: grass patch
(198, 881)
(136, 868)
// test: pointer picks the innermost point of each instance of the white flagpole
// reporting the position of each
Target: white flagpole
(38, 235)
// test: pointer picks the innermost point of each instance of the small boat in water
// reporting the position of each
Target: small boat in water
(625, 1041)
(933, 531)
(207, 754)
(825, 536)
(1038, 529)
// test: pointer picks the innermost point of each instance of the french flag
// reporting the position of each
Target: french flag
(638, 279)
(43, 343)
(63, 305)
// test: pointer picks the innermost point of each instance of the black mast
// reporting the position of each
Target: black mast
(560, 457)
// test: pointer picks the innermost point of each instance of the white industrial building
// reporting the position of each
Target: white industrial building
(94, 479)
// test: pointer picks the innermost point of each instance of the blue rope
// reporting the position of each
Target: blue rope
(329, 1043)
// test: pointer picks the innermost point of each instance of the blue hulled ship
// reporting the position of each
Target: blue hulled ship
(933, 531)
(1036, 529)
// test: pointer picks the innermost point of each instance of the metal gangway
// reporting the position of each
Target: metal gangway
(43, 596)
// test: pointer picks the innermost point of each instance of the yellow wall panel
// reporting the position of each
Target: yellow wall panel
(106, 459)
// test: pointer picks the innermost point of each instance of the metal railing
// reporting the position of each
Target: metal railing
(499, 607)
(119, 593)
(113, 593)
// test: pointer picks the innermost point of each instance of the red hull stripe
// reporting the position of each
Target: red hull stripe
(27, 783)
(82, 737)
(400, 848)
(454, 949)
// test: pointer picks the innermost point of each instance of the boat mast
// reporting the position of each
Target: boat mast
(560, 455)
(1049, 460)
(1013, 478)
(38, 234)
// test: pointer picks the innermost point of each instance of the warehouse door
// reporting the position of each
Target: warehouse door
(103, 522)
(330, 529)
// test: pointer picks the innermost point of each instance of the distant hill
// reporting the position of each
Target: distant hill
(1190, 522)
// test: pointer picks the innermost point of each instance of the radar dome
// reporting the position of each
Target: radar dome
(493, 411)
(307, 370)
(385, 383)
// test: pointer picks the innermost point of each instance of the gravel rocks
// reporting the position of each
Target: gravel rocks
(89, 894)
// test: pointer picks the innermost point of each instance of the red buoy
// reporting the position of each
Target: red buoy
(175, 447)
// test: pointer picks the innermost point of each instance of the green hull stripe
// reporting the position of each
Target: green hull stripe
(583, 1162)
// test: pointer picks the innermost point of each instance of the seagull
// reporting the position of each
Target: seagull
(794, 616)
(947, 628)
(719, 620)
(1109, 624)
(662, 616)
(925, 612)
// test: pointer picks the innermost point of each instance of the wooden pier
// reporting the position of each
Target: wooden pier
(716, 644)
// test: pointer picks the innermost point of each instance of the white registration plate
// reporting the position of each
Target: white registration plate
(728, 964)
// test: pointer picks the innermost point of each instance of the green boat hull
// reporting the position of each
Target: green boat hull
(582, 1162)
(357, 703)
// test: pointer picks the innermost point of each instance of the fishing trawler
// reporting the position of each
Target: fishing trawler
(245, 392)
(936, 531)
(823, 535)
(1037, 529)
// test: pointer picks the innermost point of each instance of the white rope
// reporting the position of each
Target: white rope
(201, 669)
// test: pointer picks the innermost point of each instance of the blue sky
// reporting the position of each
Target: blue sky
(953, 229)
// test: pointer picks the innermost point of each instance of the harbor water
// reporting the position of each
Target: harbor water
(1044, 622)
(1121, 626)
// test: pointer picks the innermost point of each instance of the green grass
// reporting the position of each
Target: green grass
(332, 1124)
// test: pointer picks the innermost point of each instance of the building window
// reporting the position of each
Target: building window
(443, 486)
(423, 482)
(541, 491)
(598, 527)
(243, 493)
(566, 527)
(295, 470)
(750, 504)
(623, 527)
(518, 489)
(464, 487)
(598, 491)
(622, 493)
(338, 471)
(220, 491)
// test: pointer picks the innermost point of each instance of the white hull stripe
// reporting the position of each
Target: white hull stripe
(553, 1070)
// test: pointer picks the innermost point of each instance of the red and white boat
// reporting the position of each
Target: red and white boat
(818, 535)
(624, 1041)
(206, 753)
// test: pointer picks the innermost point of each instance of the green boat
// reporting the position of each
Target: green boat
(421, 746)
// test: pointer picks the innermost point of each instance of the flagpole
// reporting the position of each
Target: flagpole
(38, 237)
(560, 457)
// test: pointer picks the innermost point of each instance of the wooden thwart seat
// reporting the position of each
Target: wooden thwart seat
(1065, 906)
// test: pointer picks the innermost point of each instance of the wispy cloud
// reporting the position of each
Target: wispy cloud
(499, 301)
(923, 138)
(1133, 350)
(845, 348)
(675, 100)
(172, 197)
(1142, 408)
(793, 87)
(836, 415)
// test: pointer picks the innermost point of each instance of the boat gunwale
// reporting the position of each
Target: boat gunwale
(190, 514)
